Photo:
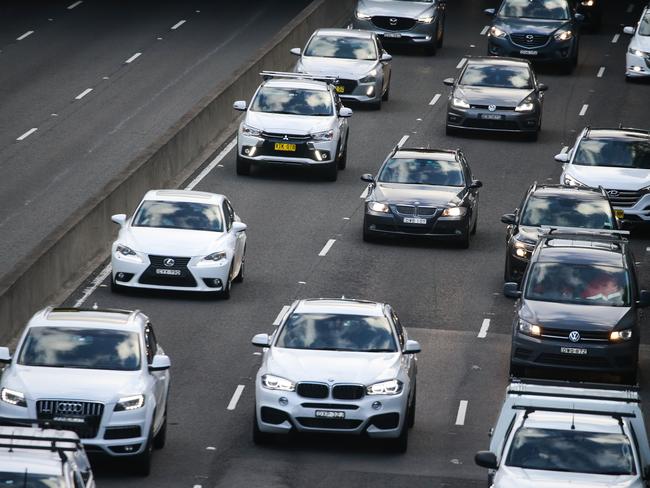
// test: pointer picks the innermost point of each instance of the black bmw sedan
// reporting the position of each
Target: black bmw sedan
(422, 192)
(496, 94)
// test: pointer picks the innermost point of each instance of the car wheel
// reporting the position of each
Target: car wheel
(115, 288)
(243, 166)
(240, 276)
(507, 269)
(160, 438)
(475, 226)
(260, 438)
(386, 94)
(441, 34)
(463, 240)
(331, 171)
(411, 410)
(343, 160)
(368, 235)
(431, 49)
(401, 443)
(142, 462)
(225, 293)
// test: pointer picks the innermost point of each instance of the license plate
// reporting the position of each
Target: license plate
(491, 116)
(573, 350)
(393, 35)
(283, 146)
(75, 420)
(169, 272)
(528, 52)
(414, 220)
(330, 414)
(339, 89)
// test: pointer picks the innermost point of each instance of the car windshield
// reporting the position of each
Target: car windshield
(571, 451)
(31, 480)
(65, 347)
(422, 171)
(292, 101)
(179, 215)
(536, 9)
(628, 153)
(342, 47)
(579, 284)
(337, 332)
(644, 24)
(497, 76)
(560, 211)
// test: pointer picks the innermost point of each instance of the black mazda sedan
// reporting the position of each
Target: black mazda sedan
(422, 192)
(496, 94)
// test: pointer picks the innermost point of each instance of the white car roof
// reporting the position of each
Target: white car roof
(340, 306)
(296, 83)
(184, 196)
(564, 421)
(100, 318)
(357, 33)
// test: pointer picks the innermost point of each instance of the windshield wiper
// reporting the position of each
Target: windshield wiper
(380, 350)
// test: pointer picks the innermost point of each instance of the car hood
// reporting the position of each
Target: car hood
(529, 234)
(513, 25)
(568, 316)
(424, 194)
(80, 384)
(337, 366)
(394, 8)
(343, 68)
(507, 97)
(289, 124)
(532, 478)
(631, 179)
(171, 242)
(642, 43)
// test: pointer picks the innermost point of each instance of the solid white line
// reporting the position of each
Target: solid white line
(73, 5)
(235, 397)
(583, 110)
(630, 8)
(103, 274)
(27, 134)
(403, 140)
(278, 319)
(615, 38)
(601, 72)
(83, 93)
(484, 30)
(461, 63)
(26, 34)
(133, 58)
(327, 247)
(364, 194)
(462, 411)
(435, 98)
(564, 149)
(482, 334)
(212, 165)
(178, 24)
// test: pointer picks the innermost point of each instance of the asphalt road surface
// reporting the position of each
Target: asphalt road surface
(445, 296)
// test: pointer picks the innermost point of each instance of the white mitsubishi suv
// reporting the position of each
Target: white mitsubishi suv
(99, 373)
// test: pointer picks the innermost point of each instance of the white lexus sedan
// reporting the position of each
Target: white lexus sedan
(337, 366)
(180, 240)
(638, 51)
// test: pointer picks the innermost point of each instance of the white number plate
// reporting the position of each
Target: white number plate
(394, 35)
(414, 220)
(169, 272)
(330, 414)
(573, 350)
(528, 52)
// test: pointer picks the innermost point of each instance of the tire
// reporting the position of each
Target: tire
(367, 234)
(331, 171)
(243, 166)
(441, 34)
(240, 275)
(386, 94)
(225, 293)
(142, 462)
(343, 160)
(507, 271)
(475, 226)
(160, 438)
(401, 443)
(463, 241)
(260, 438)
(115, 288)
(411, 410)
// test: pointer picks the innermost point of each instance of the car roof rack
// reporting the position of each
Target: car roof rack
(579, 233)
(587, 130)
(426, 149)
(268, 75)
(518, 385)
(530, 409)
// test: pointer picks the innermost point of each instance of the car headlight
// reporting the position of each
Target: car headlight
(271, 382)
(132, 402)
(370, 76)
(571, 181)
(496, 32)
(459, 103)
(390, 387)
(587, 3)
(125, 250)
(523, 249)
(529, 329)
(378, 207)
(636, 52)
(526, 105)
(13, 397)
(326, 135)
(621, 335)
(563, 35)
(248, 130)
(362, 16)
(454, 212)
(216, 256)
(425, 19)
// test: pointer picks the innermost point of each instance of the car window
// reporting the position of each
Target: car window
(178, 215)
(227, 215)
(398, 327)
(626, 153)
(560, 211)
(337, 332)
(644, 24)
(536, 9)
(31, 480)
(151, 343)
(341, 47)
(422, 171)
(292, 101)
(497, 76)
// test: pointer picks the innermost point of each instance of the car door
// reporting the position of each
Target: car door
(239, 238)
(160, 378)
(385, 65)
(472, 193)
(408, 360)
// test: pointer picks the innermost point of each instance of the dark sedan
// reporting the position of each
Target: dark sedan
(496, 94)
(422, 192)
(540, 30)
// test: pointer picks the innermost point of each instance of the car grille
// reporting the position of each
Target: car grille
(348, 86)
(497, 107)
(623, 198)
(281, 137)
(529, 40)
(393, 23)
(323, 423)
(348, 392)
(80, 417)
(584, 335)
(330, 406)
(150, 277)
(313, 390)
(413, 210)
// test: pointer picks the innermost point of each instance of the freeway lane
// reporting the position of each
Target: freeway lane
(445, 296)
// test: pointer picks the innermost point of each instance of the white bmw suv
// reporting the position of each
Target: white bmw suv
(337, 366)
(99, 373)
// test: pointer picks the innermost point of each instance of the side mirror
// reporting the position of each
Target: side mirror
(511, 290)
(562, 157)
(5, 357)
(296, 51)
(160, 362)
(261, 340)
(345, 112)
(368, 178)
(486, 459)
(239, 227)
(509, 219)
(542, 87)
(629, 30)
(579, 17)
(412, 347)
(448, 81)
(490, 11)
(239, 105)
(385, 58)
(476, 184)
(644, 299)
(119, 219)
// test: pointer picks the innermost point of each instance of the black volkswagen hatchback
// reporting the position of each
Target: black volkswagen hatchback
(539, 30)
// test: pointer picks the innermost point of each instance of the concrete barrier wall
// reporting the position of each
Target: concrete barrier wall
(64, 259)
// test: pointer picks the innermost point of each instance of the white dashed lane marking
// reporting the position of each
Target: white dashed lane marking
(235, 397)
(583, 110)
(615, 38)
(402, 141)
(178, 24)
(27, 134)
(630, 8)
(133, 58)
(83, 93)
(484, 30)
(462, 412)
(327, 247)
(435, 99)
(461, 63)
(73, 5)
(601, 72)
(26, 34)
(482, 334)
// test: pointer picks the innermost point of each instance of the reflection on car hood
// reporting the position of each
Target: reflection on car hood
(508, 477)
(424, 194)
(289, 124)
(569, 316)
(507, 97)
(529, 234)
(609, 177)
(343, 68)
(513, 25)
(393, 8)
(642, 43)
(170, 242)
(342, 367)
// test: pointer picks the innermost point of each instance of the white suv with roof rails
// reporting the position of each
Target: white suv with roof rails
(34, 457)
(553, 434)
(100, 373)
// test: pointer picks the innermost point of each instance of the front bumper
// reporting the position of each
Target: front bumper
(435, 227)
(637, 66)
(551, 52)
(307, 152)
(420, 34)
(509, 121)
(639, 213)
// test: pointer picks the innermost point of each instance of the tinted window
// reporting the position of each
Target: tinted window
(341, 47)
(567, 212)
(422, 171)
(584, 284)
(81, 348)
(30, 480)
(332, 332)
(536, 9)
(179, 215)
(644, 24)
(571, 451)
(615, 153)
(497, 76)
(292, 101)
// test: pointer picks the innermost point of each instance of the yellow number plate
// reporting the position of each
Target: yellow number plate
(620, 213)
(283, 146)
(340, 89)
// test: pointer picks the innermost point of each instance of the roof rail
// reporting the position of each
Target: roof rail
(87, 309)
(530, 409)
(578, 233)
(267, 75)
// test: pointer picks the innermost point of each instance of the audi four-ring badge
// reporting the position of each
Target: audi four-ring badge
(98, 373)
